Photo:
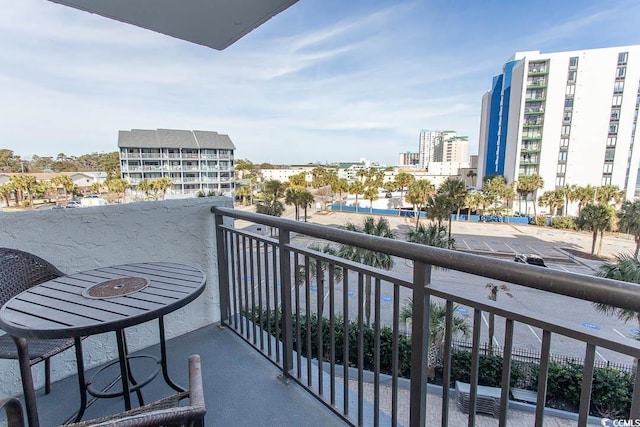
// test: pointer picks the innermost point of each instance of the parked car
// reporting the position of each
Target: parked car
(531, 259)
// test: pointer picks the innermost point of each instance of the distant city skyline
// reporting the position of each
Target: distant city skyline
(323, 81)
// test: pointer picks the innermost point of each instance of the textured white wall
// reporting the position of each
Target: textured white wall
(80, 239)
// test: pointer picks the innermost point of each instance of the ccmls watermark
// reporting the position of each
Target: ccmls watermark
(606, 422)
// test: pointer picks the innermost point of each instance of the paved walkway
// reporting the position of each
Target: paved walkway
(456, 417)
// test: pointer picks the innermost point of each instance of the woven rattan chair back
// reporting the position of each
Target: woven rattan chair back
(20, 271)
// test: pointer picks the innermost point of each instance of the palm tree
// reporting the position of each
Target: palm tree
(306, 199)
(609, 193)
(626, 269)
(432, 235)
(371, 194)
(437, 328)
(554, 199)
(340, 186)
(531, 184)
(418, 195)
(243, 192)
(569, 193)
(145, 186)
(595, 218)
(493, 296)
(584, 196)
(403, 180)
(356, 188)
(293, 196)
(438, 208)
(492, 192)
(368, 257)
(473, 202)
(455, 190)
(299, 179)
(118, 186)
(319, 268)
(6, 190)
(509, 195)
(160, 186)
(629, 221)
(274, 189)
(65, 182)
(472, 174)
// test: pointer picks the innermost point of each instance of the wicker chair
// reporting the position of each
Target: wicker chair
(164, 412)
(20, 271)
(13, 411)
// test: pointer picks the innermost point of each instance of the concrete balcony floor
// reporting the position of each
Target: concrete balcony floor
(241, 387)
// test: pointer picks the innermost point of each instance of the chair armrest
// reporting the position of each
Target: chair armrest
(196, 394)
(13, 409)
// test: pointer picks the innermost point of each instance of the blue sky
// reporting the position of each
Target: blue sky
(326, 80)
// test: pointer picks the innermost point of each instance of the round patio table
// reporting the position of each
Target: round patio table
(92, 302)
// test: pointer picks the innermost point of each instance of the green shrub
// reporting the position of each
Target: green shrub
(564, 222)
(539, 220)
(25, 203)
(612, 389)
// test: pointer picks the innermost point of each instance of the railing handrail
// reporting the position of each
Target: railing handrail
(588, 288)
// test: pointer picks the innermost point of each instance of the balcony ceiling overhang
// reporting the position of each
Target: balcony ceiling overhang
(213, 23)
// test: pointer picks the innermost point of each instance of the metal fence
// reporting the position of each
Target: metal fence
(271, 289)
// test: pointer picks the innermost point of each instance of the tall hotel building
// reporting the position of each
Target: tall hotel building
(569, 117)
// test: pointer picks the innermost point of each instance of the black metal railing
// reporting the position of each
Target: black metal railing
(310, 313)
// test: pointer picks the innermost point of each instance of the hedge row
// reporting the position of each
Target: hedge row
(610, 396)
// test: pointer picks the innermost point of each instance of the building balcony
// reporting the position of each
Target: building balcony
(537, 72)
(536, 98)
(263, 292)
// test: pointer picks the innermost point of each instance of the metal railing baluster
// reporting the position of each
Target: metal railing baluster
(542, 377)
(506, 371)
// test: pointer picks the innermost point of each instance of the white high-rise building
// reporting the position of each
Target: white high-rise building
(442, 146)
(569, 117)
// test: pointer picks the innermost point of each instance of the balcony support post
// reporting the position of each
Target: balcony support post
(419, 344)
(223, 269)
(287, 310)
(635, 400)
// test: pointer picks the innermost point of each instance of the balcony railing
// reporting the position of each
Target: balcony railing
(272, 289)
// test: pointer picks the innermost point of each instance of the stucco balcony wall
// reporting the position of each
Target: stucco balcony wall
(84, 238)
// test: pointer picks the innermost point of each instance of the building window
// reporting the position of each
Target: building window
(573, 62)
(622, 57)
(562, 168)
(560, 181)
(571, 77)
(609, 154)
(611, 141)
(615, 114)
(566, 130)
(564, 142)
(567, 116)
(606, 180)
(568, 103)
(571, 90)
(617, 101)
(621, 72)
(608, 168)
(562, 156)
(618, 86)
(613, 129)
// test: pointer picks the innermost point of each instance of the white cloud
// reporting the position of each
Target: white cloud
(359, 82)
